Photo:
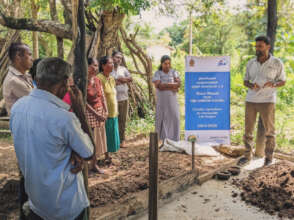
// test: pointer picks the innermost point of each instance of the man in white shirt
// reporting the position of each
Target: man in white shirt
(122, 78)
(264, 74)
(18, 83)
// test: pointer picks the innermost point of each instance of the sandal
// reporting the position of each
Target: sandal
(243, 161)
(235, 170)
(223, 175)
(108, 161)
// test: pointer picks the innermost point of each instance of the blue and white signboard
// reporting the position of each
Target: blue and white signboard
(207, 91)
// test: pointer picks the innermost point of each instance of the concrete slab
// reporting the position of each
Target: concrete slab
(213, 200)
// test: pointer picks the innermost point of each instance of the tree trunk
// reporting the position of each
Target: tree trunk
(35, 10)
(105, 38)
(110, 24)
(54, 17)
(81, 73)
(272, 21)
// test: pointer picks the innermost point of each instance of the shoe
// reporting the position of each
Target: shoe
(267, 162)
(223, 175)
(243, 161)
(235, 170)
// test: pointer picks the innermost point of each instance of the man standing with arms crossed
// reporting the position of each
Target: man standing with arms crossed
(264, 74)
(122, 77)
(50, 144)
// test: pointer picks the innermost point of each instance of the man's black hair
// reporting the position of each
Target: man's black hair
(33, 69)
(90, 60)
(15, 48)
(263, 38)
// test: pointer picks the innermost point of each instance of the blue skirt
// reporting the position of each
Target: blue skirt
(112, 134)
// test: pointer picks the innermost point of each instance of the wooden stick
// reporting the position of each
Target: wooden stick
(153, 176)
(193, 155)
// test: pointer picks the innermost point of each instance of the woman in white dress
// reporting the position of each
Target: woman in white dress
(167, 84)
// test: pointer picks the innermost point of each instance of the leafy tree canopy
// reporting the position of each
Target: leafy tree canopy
(126, 6)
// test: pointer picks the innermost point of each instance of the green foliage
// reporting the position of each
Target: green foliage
(176, 33)
(137, 125)
(221, 31)
(126, 6)
(217, 30)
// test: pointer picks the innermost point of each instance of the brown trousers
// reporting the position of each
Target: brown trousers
(266, 128)
(123, 108)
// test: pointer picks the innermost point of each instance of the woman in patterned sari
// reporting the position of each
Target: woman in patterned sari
(96, 112)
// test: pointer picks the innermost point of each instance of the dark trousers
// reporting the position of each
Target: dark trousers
(82, 216)
(23, 197)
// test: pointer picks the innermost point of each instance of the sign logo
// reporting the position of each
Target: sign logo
(222, 62)
(191, 62)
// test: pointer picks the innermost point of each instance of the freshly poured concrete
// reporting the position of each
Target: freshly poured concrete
(213, 200)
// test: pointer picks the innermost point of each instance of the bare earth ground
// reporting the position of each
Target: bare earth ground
(128, 174)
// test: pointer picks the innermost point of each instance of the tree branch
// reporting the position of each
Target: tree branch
(136, 72)
(52, 27)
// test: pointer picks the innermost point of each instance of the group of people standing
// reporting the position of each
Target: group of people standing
(106, 104)
(50, 144)
(264, 74)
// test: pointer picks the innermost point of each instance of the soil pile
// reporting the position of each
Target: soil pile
(129, 173)
(270, 188)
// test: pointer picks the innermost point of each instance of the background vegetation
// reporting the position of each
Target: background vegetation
(218, 29)
(223, 31)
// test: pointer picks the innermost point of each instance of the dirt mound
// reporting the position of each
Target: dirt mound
(129, 173)
(270, 188)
